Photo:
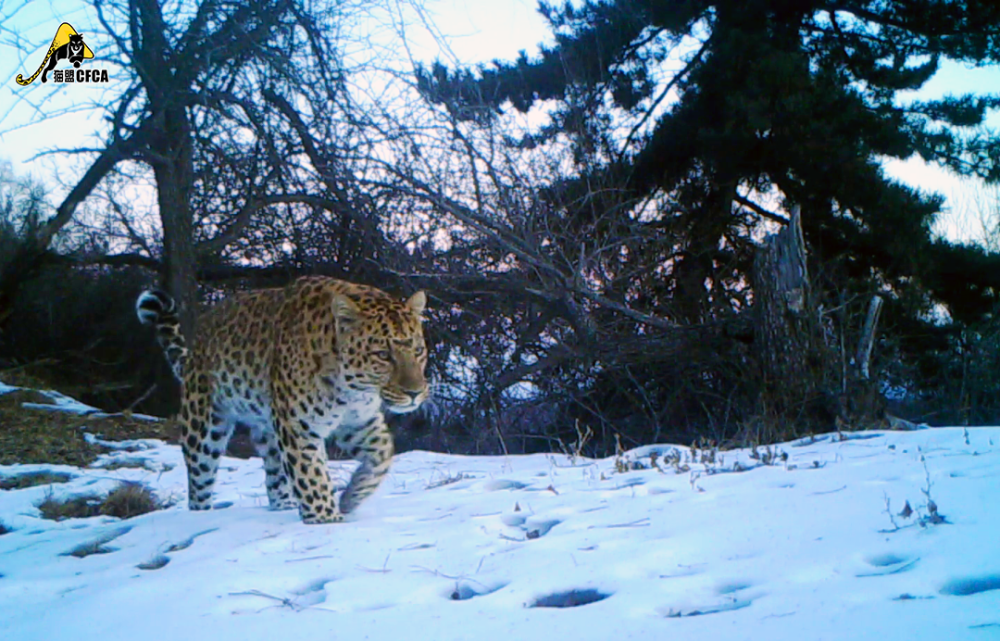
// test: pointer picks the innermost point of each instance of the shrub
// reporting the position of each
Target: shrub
(124, 502)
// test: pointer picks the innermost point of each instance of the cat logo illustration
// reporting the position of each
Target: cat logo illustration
(67, 45)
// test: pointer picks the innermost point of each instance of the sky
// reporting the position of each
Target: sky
(525, 548)
(474, 32)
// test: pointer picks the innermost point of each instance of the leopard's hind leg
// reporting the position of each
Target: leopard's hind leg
(279, 492)
(204, 431)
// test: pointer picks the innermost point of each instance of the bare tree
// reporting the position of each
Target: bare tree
(191, 99)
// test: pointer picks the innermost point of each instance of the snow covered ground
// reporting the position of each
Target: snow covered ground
(462, 547)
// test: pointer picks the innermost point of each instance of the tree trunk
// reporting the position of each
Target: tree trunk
(781, 304)
(862, 405)
(867, 341)
(787, 339)
(173, 168)
(803, 388)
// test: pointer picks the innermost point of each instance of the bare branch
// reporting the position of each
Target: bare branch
(746, 202)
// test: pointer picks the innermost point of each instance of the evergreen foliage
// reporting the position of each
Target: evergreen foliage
(719, 111)
(797, 98)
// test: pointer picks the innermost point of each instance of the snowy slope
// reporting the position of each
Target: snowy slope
(455, 547)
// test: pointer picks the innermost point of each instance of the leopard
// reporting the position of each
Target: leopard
(319, 359)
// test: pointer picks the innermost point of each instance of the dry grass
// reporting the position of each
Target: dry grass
(127, 464)
(44, 436)
(25, 376)
(78, 507)
(126, 501)
(33, 479)
(129, 500)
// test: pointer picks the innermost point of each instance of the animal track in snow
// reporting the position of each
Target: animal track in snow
(970, 585)
(161, 559)
(98, 545)
(465, 590)
(886, 564)
(532, 526)
(312, 593)
(312, 586)
(653, 490)
(885, 560)
(569, 599)
(186, 543)
(415, 546)
(732, 587)
(494, 485)
(154, 563)
(728, 596)
(727, 605)
(631, 482)
(537, 529)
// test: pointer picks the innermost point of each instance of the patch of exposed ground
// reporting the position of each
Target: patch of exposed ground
(32, 479)
(43, 436)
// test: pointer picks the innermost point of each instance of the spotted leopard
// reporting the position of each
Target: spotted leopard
(316, 359)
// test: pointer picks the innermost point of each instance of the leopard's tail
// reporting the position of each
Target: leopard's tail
(20, 78)
(157, 308)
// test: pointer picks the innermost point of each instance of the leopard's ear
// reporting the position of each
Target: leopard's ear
(418, 303)
(346, 312)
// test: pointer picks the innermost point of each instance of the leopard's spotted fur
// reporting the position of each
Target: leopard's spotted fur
(313, 360)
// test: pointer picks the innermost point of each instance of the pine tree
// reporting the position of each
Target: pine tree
(800, 96)
(796, 101)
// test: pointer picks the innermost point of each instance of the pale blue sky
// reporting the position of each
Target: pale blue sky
(475, 32)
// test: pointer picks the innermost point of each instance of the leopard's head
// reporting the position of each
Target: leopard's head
(381, 346)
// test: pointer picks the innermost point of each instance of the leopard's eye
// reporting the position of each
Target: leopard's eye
(383, 354)
(419, 351)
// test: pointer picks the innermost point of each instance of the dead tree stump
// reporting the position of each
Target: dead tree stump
(787, 338)
(805, 386)
(862, 406)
